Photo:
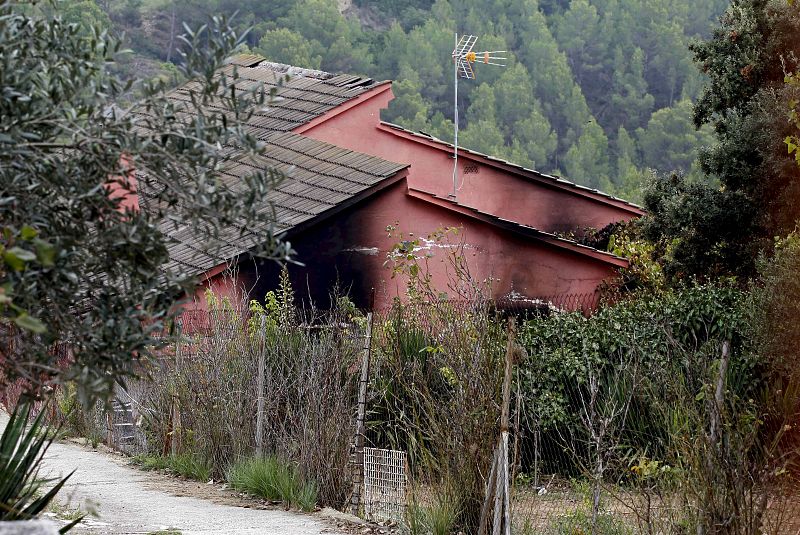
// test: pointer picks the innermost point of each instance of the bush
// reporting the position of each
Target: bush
(273, 479)
(692, 382)
(440, 361)
(675, 334)
(75, 419)
(438, 391)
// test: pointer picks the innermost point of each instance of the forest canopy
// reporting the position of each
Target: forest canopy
(599, 91)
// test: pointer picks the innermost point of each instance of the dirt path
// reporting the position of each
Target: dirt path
(127, 500)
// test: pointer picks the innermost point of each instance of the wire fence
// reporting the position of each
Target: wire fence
(385, 484)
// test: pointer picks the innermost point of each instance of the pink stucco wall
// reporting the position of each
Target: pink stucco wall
(492, 187)
(512, 262)
(352, 248)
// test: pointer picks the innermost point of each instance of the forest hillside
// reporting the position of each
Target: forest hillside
(599, 91)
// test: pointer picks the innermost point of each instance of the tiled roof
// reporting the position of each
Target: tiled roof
(301, 98)
(320, 178)
(554, 179)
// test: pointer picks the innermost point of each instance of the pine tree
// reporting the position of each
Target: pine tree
(286, 46)
(670, 142)
(629, 178)
(587, 162)
(631, 104)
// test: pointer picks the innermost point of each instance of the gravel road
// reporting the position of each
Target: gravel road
(128, 500)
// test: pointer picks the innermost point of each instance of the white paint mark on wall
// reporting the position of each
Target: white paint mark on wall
(360, 249)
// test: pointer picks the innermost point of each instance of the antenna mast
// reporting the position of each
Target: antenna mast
(463, 58)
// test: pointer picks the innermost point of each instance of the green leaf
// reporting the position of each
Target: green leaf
(45, 252)
(29, 323)
(28, 232)
(16, 258)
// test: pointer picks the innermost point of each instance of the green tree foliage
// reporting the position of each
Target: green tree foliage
(669, 141)
(85, 13)
(79, 267)
(700, 231)
(713, 229)
(587, 161)
(613, 62)
(630, 101)
(629, 176)
(287, 46)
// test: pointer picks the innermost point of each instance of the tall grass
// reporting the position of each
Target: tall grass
(273, 479)
(437, 517)
(188, 465)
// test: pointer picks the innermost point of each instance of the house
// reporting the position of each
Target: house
(352, 175)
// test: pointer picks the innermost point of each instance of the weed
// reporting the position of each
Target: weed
(437, 518)
(149, 462)
(273, 479)
(580, 521)
(66, 513)
(168, 531)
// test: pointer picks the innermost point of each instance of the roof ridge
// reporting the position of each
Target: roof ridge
(555, 178)
(256, 61)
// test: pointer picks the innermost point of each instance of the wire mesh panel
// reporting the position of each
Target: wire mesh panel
(384, 484)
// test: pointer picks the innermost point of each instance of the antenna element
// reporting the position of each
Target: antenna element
(463, 58)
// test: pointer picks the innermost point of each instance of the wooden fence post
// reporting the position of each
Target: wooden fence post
(260, 386)
(358, 450)
(497, 488)
(176, 406)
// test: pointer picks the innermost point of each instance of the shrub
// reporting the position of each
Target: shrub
(714, 400)
(309, 388)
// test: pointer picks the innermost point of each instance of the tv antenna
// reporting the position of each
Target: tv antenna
(463, 58)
